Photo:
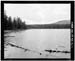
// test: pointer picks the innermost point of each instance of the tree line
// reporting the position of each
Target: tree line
(13, 24)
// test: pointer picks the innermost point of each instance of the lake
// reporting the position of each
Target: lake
(38, 40)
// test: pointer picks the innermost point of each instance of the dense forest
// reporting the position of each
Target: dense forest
(13, 24)
(49, 26)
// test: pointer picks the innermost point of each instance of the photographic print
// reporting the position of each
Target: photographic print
(37, 30)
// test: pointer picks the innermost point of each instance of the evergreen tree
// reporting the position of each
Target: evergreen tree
(14, 24)
(5, 21)
(9, 22)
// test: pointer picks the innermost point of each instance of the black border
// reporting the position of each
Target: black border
(35, 2)
(72, 33)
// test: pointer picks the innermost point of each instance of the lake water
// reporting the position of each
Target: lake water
(41, 39)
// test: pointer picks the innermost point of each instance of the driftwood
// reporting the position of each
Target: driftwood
(22, 48)
(8, 36)
(50, 51)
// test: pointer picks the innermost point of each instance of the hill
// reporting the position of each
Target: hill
(58, 25)
(63, 22)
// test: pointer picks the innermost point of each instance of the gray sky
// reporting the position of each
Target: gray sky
(39, 13)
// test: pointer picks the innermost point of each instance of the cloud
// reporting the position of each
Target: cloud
(39, 13)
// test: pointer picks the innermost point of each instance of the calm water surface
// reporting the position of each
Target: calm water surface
(41, 39)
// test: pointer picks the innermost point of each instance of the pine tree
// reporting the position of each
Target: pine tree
(10, 23)
(5, 21)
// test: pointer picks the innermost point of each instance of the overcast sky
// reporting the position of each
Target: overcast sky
(39, 13)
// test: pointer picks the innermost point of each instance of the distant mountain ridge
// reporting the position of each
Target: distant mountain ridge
(63, 22)
(58, 25)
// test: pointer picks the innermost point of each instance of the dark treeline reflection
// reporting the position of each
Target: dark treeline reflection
(13, 24)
